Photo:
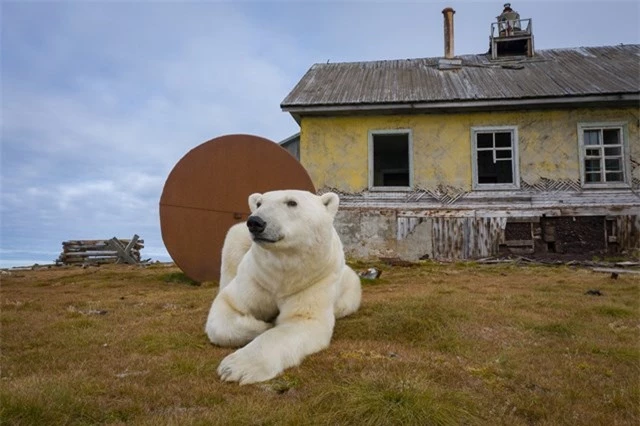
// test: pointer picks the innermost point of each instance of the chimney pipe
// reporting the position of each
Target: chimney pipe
(448, 32)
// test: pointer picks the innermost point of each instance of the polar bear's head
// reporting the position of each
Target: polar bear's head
(291, 218)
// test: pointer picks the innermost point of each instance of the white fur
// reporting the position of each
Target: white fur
(281, 298)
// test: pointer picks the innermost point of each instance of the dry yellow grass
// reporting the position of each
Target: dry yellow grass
(433, 344)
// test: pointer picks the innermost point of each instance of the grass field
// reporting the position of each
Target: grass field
(436, 344)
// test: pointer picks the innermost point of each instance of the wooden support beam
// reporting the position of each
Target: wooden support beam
(123, 255)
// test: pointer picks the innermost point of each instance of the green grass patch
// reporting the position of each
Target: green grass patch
(554, 329)
(385, 402)
(178, 278)
(419, 322)
(613, 311)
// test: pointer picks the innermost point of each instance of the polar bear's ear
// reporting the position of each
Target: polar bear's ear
(331, 201)
(254, 201)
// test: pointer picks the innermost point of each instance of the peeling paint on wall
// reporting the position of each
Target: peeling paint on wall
(334, 150)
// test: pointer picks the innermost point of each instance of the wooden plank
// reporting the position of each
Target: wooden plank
(519, 243)
(436, 213)
(122, 254)
(93, 242)
(96, 247)
(524, 219)
(401, 231)
(104, 253)
(517, 213)
(93, 261)
(131, 244)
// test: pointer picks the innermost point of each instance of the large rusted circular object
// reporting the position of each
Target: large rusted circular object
(207, 191)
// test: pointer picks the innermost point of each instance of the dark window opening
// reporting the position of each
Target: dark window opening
(494, 157)
(391, 159)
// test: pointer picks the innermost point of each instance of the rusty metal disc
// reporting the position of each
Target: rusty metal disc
(207, 192)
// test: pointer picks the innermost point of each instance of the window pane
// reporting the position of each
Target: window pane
(592, 165)
(503, 140)
(613, 165)
(592, 177)
(485, 140)
(490, 172)
(603, 154)
(391, 159)
(611, 136)
(613, 151)
(486, 167)
(504, 171)
(614, 177)
(591, 137)
(502, 154)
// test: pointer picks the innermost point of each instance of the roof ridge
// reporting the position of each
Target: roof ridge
(474, 55)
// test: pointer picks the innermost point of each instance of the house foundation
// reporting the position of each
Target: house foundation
(459, 232)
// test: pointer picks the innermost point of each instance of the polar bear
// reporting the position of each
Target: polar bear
(283, 283)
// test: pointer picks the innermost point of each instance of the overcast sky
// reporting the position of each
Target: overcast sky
(100, 99)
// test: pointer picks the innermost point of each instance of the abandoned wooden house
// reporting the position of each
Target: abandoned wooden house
(511, 151)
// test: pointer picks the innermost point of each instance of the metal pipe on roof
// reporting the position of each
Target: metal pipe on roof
(448, 32)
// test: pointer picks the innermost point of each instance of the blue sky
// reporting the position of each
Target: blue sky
(100, 99)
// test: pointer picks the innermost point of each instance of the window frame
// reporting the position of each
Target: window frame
(626, 167)
(409, 134)
(515, 158)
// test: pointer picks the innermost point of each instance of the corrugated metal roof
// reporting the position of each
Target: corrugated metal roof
(581, 71)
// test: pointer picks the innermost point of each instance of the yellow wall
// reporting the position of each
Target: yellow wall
(334, 150)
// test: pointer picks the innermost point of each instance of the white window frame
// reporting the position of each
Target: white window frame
(626, 166)
(515, 158)
(409, 134)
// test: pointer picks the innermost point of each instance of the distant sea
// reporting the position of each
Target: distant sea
(16, 258)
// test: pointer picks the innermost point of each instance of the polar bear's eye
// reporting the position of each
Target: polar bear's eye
(258, 204)
(291, 203)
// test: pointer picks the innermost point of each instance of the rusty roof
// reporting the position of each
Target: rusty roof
(569, 73)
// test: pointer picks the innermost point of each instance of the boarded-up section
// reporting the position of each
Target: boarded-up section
(467, 237)
(622, 233)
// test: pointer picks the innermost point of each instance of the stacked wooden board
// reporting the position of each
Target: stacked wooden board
(95, 252)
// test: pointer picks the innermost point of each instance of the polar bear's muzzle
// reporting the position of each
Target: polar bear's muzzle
(257, 226)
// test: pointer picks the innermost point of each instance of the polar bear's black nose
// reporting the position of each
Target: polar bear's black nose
(256, 224)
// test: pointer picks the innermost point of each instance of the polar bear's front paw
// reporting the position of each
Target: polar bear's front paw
(245, 367)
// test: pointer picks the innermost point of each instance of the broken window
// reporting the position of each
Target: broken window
(390, 159)
(495, 162)
(602, 154)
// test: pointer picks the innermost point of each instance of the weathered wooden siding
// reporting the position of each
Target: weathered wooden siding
(624, 234)
(449, 234)
(467, 238)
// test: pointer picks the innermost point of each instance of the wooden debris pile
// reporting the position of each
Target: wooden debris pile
(97, 252)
